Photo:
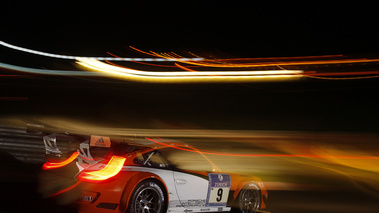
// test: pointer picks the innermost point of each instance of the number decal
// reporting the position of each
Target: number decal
(218, 189)
(219, 194)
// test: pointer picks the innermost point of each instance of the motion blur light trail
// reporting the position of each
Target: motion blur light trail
(46, 71)
(51, 165)
(181, 77)
(260, 62)
(207, 152)
(96, 64)
(191, 75)
(284, 160)
(98, 58)
(268, 62)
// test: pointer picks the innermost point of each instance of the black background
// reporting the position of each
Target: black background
(208, 28)
(240, 28)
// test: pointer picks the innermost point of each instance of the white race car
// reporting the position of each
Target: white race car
(159, 177)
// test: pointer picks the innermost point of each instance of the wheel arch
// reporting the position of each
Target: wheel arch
(134, 181)
(245, 184)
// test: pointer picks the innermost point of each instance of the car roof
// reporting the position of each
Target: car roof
(144, 145)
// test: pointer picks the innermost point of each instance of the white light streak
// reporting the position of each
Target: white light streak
(97, 58)
(48, 72)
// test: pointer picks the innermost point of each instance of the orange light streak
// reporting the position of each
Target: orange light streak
(343, 73)
(185, 68)
(65, 190)
(176, 55)
(49, 165)
(150, 64)
(271, 58)
(216, 63)
(262, 155)
(116, 56)
(141, 51)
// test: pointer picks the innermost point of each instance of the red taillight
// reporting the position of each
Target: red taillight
(50, 165)
(113, 167)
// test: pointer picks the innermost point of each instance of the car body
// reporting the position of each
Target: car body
(127, 177)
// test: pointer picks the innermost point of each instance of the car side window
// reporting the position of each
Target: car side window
(152, 159)
(189, 159)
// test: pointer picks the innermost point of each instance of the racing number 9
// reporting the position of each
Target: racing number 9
(219, 194)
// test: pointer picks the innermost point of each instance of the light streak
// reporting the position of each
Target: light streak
(269, 58)
(263, 63)
(139, 62)
(194, 76)
(50, 165)
(97, 58)
(48, 72)
(268, 64)
(141, 51)
(185, 68)
(65, 190)
(261, 155)
(203, 76)
(370, 74)
(141, 76)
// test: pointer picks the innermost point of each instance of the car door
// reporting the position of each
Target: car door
(190, 180)
(191, 189)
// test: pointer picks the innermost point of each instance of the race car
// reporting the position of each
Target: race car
(153, 175)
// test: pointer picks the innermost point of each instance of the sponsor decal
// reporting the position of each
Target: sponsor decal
(100, 141)
(159, 189)
(220, 177)
(193, 203)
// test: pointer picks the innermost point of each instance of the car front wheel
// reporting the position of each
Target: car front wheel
(249, 199)
(147, 197)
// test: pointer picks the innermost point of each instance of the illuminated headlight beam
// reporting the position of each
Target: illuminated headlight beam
(97, 58)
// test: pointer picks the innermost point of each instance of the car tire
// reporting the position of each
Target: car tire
(148, 196)
(248, 200)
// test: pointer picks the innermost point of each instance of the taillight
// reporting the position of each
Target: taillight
(50, 165)
(113, 167)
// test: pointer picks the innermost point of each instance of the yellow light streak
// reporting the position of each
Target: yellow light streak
(105, 66)
(194, 77)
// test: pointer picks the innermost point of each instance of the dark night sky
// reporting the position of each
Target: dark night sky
(239, 28)
(232, 28)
